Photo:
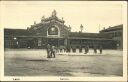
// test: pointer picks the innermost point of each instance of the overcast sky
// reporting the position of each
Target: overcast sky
(92, 15)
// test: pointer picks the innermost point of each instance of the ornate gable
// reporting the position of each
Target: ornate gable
(50, 27)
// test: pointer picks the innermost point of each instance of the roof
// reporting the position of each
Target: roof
(16, 32)
(114, 28)
(72, 35)
(87, 35)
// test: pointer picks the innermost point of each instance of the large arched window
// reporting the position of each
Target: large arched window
(53, 30)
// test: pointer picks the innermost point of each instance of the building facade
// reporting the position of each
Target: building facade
(116, 33)
(53, 31)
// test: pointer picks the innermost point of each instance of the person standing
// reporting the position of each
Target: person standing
(80, 49)
(61, 49)
(74, 49)
(100, 49)
(48, 51)
(64, 48)
(95, 49)
(68, 48)
(86, 49)
(53, 50)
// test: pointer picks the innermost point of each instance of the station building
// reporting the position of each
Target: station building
(53, 31)
(116, 34)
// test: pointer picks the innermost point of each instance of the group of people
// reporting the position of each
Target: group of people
(86, 49)
(100, 49)
(51, 50)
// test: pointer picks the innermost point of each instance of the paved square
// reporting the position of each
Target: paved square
(34, 62)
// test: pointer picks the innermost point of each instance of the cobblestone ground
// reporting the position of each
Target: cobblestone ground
(34, 62)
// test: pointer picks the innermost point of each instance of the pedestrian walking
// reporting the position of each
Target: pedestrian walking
(53, 50)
